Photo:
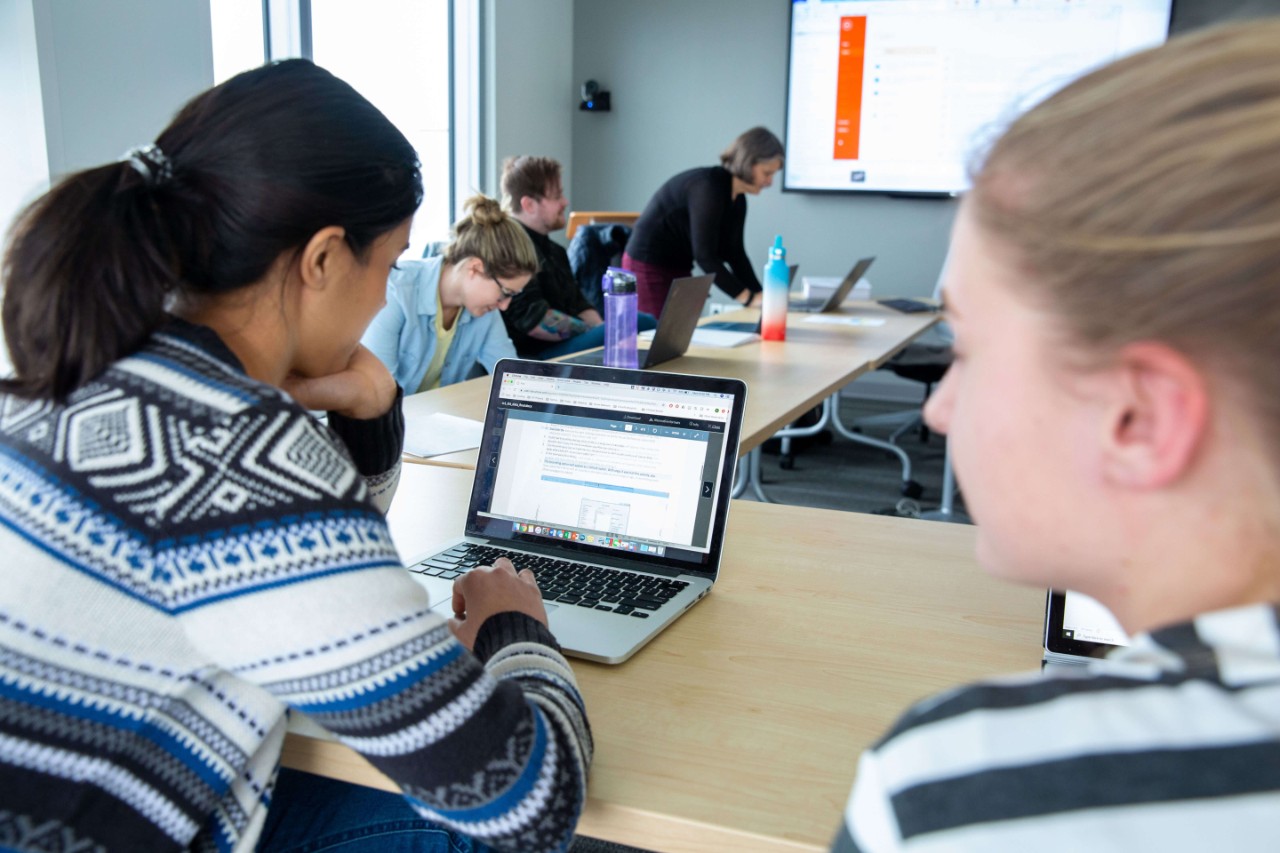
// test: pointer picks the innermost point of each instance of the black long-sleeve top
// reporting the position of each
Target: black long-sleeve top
(553, 286)
(694, 217)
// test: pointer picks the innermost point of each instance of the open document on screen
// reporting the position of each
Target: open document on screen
(1087, 620)
(605, 463)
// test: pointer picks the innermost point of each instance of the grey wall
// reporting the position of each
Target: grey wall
(687, 76)
(528, 82)
(114, 72)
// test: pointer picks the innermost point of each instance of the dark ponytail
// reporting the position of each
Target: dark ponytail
(86, 275)
(245, 173)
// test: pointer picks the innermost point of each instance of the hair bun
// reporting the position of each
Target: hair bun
(484, 210)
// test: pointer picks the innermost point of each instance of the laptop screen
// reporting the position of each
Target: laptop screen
(634, 465)
(1078, 625)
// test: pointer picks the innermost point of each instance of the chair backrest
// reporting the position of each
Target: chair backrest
(595, 247)
(589, 217)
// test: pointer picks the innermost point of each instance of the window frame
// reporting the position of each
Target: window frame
(287, 33)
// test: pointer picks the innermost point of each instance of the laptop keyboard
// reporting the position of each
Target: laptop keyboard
(908, 306)
(563, 581)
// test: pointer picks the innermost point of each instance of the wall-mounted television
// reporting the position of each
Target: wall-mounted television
(896, 96)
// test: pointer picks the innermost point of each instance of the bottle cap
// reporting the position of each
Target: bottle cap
(618, 280)
(777, 251)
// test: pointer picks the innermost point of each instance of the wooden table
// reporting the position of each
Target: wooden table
(739, 727)
(784, 378)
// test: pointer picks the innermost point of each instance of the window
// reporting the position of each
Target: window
(237, 37)
(396, 53)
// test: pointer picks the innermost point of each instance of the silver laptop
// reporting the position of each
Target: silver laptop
(754, 328)
(680, 314)
(1078, 629)
(837, 297)
(612, 486)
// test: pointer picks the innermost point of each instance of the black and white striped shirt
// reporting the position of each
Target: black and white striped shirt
(1170, 744)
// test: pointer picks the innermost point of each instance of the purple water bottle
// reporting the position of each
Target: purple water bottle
(619, 288)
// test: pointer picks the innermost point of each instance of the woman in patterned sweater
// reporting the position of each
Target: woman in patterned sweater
(190, 557)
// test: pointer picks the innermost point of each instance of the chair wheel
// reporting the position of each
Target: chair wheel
(787, 462)
(912, 489)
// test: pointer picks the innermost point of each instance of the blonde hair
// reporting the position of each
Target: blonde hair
(1144, 203)
(487, 232)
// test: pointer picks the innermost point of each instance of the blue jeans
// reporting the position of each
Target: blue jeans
(592, 338)
(312, 813)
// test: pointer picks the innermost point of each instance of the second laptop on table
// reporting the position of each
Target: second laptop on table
(680, 314)
(836, 298)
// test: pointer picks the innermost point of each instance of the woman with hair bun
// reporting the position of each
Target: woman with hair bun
(191, 558)
(698, 216)
(438, 324)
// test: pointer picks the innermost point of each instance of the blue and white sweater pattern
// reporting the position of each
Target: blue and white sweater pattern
(188, 557)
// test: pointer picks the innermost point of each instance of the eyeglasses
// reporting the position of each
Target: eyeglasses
(506, 292)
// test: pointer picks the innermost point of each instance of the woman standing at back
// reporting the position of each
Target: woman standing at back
(190, 557)
(698, 216)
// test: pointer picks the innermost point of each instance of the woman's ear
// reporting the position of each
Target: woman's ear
(474, 266)
(325, 257)
(1159, 417)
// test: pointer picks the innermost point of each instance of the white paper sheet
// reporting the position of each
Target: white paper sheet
(722, 338)
(438, 433)
(843, 320)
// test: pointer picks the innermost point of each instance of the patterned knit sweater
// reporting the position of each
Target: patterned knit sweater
(187, 558)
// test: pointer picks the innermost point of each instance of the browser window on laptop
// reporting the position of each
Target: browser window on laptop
(634, 472)
(612, 486)
(1078, 628)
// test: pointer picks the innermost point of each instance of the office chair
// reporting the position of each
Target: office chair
(578, 218)
(594, 248)
(924, 360)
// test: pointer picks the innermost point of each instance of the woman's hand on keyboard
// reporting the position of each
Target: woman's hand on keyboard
(488, 590)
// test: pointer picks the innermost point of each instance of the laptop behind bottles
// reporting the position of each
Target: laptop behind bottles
(680, 314)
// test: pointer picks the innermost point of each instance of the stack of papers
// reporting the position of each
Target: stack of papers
(843, 320)
(820, 287)
(704, 337)
(709, 336)
(437, 434)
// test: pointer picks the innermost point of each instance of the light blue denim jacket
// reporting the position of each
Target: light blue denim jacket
(403, 335)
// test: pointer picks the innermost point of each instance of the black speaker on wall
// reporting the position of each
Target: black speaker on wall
(594, 100)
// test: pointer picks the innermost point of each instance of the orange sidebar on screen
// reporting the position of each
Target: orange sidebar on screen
(853, 49)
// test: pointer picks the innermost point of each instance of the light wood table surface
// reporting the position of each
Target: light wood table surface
(784, 378)
(740, 726)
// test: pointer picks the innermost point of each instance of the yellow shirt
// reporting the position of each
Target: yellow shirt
(444, 337)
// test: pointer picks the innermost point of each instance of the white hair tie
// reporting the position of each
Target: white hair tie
(151, 163)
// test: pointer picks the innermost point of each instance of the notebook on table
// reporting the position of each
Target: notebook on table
(1078, 628)
(611, 485)
(836, 298)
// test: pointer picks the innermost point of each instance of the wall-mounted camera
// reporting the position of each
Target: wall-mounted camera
(593, 100)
